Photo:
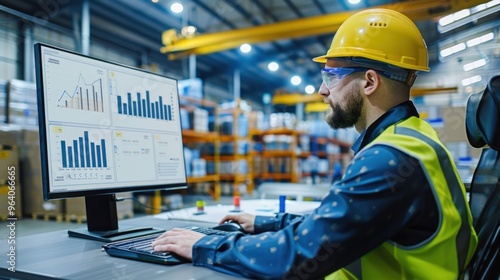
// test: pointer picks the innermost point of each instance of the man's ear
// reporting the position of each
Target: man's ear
(372, 81)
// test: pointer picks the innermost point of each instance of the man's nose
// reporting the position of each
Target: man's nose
(323, 90)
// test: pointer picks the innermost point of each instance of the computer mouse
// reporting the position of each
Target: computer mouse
(230, 226)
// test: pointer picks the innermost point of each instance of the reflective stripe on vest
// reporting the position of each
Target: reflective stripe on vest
(463, 236)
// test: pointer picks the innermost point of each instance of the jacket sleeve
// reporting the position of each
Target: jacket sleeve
(281, 220)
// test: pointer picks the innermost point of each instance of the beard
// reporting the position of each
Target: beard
(348, 114)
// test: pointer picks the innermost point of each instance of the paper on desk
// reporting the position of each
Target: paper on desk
(260, 207)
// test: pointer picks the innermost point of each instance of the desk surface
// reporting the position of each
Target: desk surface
(54, 255)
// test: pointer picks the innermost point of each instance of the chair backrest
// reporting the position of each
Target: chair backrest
(484, 180)
(483, 128)
(485, 205)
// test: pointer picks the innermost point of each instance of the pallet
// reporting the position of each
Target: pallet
(48, 216)
(123, 216)
(4, 217)
(79, 219)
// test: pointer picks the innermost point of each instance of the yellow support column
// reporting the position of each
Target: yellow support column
(156, 202)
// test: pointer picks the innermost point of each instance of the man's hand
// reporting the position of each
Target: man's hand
(179, 241)
(247, 221)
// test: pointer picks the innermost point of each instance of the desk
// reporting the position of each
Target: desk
(261, 207)
(54, 255)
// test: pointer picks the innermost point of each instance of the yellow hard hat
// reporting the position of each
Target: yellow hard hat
(381, 35)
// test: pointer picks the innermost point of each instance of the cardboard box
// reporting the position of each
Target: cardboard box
(22, 99)
(453, 128)
(10, 187)
(31, 176)
(10, 134)
(453, 131)
(75, 208)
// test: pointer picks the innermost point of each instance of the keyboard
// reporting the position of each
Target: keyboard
(140, 248)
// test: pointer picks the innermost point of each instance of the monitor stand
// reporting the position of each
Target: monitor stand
(102, 222)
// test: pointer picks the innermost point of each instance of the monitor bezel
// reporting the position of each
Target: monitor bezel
(44, 157)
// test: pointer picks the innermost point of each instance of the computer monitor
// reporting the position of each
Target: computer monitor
(105, 128)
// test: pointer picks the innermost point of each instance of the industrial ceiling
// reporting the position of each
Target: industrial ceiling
(290, 32)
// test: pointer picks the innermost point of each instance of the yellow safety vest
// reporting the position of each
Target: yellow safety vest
(447, 252)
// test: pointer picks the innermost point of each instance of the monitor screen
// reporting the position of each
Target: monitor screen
(105, 128)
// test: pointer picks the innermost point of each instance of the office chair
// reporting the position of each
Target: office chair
(483, 131)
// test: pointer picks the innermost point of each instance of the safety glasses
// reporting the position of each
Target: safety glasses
(332, 76)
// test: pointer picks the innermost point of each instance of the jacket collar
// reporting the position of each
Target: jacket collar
(398, 113)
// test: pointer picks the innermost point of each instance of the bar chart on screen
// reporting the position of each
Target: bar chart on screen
(144, 107)
(82, 155)
(142, 101)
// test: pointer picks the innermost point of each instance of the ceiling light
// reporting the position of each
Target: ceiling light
(354, 2)
(155, 1)
(469, 43)
(475, 64)
(188, 31)
(446, 20)
(310, 89)
(453, 49)
(471, 80)
(266, 98)
(296, 80)
(449, 19)
(466, 16)
(492, 3)
(273, 66)
(176, 8)
(481, 7)
(461, 14)
(245, 48)
(481, 39)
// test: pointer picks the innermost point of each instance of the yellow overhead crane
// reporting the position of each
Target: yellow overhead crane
(177, 46)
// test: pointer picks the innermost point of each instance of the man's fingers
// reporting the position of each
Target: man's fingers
(167, 239)
(229, 217)
(172, 232)
(166, 248)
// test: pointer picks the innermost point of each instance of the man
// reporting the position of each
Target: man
(400, 210)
